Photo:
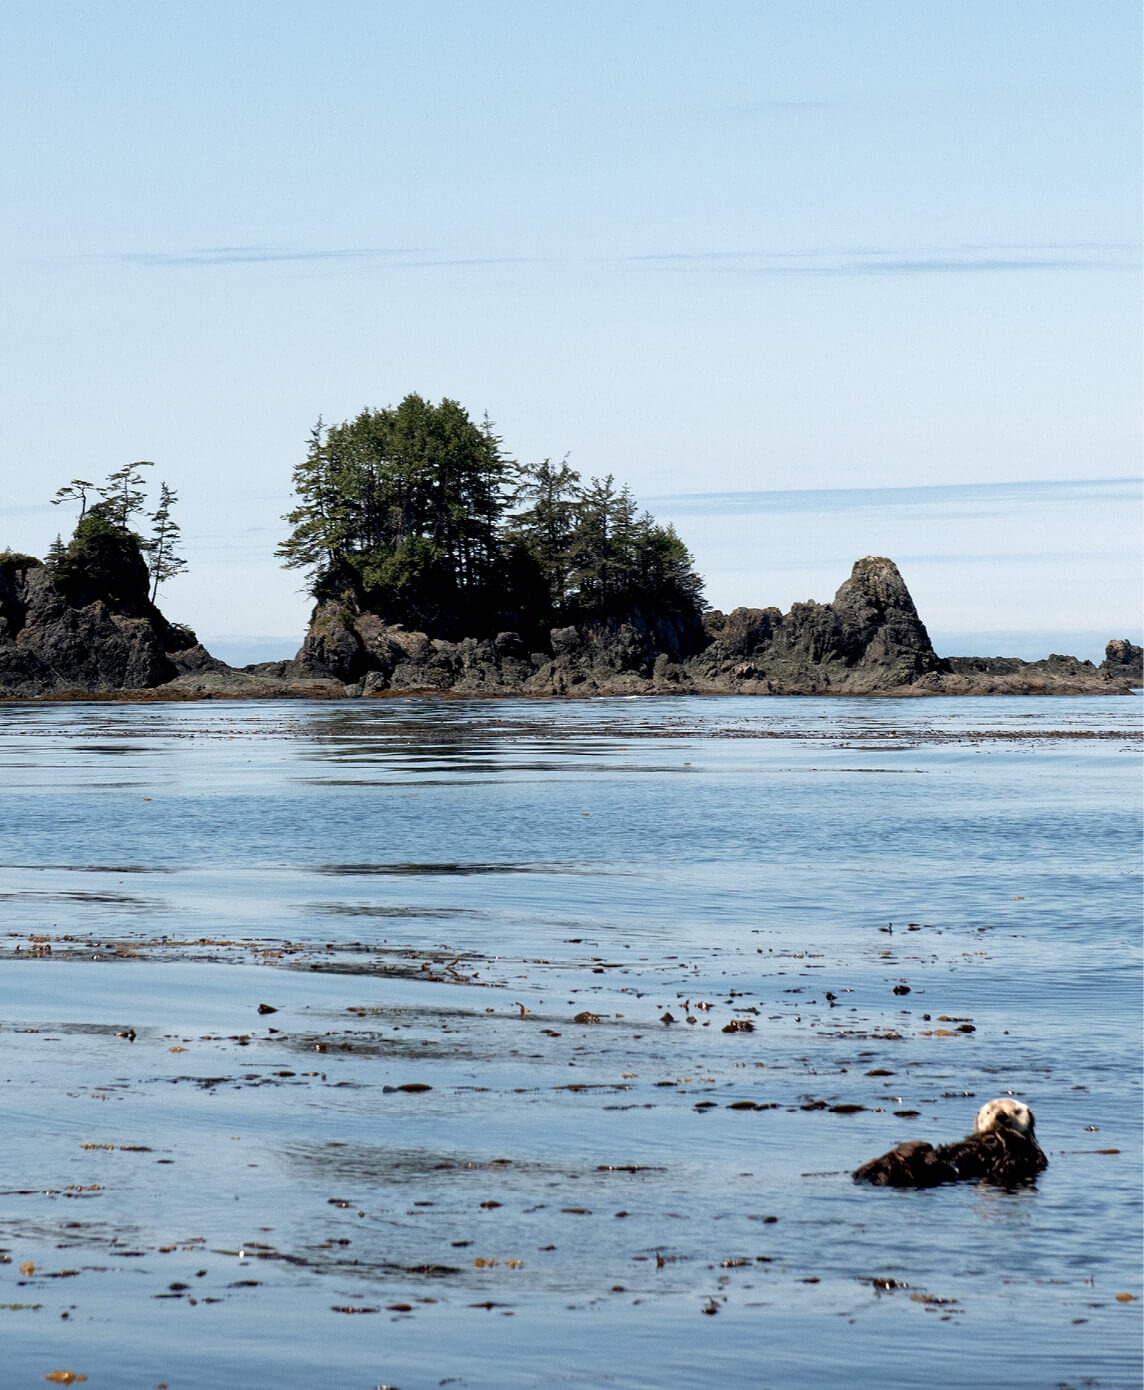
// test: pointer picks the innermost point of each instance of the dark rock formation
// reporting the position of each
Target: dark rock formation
(869, 638)
(1121, 669)
(88, 626)
(101, 633)
(1123, 660)
(359, 649)
(1119, 672)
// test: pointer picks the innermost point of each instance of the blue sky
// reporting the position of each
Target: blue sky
(772, 247)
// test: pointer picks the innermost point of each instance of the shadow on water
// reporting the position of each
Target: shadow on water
(448, 870)
(381, 910)
(79, 897)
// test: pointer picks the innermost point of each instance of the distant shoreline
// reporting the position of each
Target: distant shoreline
(161, 695)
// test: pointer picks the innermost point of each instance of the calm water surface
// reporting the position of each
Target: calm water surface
(415, 1167)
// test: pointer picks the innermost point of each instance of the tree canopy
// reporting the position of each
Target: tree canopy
(418, 513)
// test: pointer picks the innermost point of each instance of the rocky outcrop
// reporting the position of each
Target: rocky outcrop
(201, 675)
(1123, 661)
(631, 655)
(93, 630)
(50, 644)
(1122, 669)
(868, 640)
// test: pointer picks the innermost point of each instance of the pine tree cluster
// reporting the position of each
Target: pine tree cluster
(417, 514)
(109, 524)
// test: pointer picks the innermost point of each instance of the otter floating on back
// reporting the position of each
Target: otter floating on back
(1002, 1149)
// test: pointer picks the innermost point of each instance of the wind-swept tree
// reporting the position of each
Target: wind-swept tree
(163, 558)
(75, 491)
(107, 526)
(124, 495)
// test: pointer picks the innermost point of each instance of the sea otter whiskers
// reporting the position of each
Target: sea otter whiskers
(1002, 1149)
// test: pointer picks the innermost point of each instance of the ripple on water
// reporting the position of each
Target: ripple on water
(916, 906)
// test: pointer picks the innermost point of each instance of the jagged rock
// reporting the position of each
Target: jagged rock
(95, 631)
(607, 655)
(50, 645)
(1054, 675)
(869, 638)
(877, 625)
(1123, 660)
(196, 661)
(332, 647)
(201, 675)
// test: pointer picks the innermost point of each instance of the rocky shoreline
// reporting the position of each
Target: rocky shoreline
(112, 642)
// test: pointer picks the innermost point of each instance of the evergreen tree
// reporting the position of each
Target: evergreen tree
(75, 491)
(666, 568)
(406, 511)
(123, 496)
(547, 527)
(595, 553)
(403, 506)
(319, 537)
(164, 561)
(107, 524)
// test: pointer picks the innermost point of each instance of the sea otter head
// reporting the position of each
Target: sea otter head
(1004, 1114)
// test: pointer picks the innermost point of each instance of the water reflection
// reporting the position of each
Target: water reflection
(448, 870)
(385, 910)
(78, 896)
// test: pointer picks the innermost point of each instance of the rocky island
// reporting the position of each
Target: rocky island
(868, 641)
(107, 639)
(438, 565)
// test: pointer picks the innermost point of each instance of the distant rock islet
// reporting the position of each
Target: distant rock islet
(101, 635)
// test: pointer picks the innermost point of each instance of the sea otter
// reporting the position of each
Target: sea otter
(1002, 1149)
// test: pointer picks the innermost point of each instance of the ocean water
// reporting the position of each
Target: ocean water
(333, 1050)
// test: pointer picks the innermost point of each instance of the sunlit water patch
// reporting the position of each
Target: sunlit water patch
(528, 1043)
